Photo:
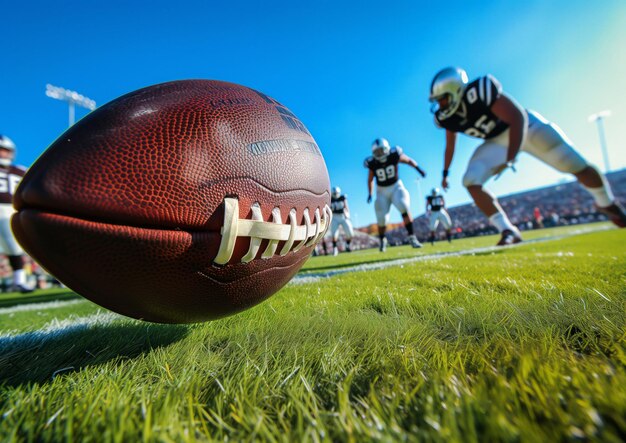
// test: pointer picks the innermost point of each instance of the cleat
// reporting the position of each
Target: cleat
(348, 248)
(414, 241)
(509, 238)
(383, 245)
(335, 251)
(615, 213)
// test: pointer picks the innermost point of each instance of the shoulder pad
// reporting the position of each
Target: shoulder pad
(368, 161)
(397, 150)
(489, 89)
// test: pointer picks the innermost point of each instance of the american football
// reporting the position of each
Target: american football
(181, 202)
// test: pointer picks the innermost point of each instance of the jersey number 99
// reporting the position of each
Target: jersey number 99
(385, 174)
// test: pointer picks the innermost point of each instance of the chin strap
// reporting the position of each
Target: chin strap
(275, 231)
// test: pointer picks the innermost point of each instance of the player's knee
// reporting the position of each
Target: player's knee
(473, 177)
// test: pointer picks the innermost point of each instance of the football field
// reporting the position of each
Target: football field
(451, 342)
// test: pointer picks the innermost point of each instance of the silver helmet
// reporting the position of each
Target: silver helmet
(450, 83)
(7, 143)
(434, 192)
(336, 192)
(381, 149)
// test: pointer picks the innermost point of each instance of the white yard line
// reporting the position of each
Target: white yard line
(313, 277)
(39, 306)
(54, 330)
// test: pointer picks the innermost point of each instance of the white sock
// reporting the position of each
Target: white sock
(502, 222)
(19, 277)
(603, 195)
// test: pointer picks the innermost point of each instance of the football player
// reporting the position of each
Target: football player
(341, 219)
(436, 211)
(10, 176)
(383, 165)
(481, 109)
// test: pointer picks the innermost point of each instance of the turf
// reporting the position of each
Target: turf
(519, 344)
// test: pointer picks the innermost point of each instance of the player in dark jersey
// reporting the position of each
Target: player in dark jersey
(480, 109)
(10, 176)
(383, 165)
(341, 219)
(436, 211)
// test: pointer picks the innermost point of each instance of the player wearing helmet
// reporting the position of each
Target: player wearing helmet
(481, 109)
(383, 165)
(10, 176)
(436, 211)
(341, 219)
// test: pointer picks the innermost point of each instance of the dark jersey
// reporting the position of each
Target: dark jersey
(435, 202)
(473, 117)
(338, 205)
(10, 177)
(386, 172)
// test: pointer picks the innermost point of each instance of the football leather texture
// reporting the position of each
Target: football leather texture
(180, 202)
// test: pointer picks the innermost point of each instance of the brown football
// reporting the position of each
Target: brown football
(180, 202)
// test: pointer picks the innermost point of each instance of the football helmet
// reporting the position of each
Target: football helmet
(7, 143)
(448, 83)
(336, 192)
(381, 149)
(434, 192)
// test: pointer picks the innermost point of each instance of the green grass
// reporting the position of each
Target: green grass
(325, 263)
(520, 344)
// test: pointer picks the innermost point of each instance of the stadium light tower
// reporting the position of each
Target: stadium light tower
(599, 119)
(72, 98)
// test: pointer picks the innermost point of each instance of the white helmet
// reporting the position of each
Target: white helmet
(434, 192)
(380, 149)
(450, 83)
(7, 143)
(336, 192)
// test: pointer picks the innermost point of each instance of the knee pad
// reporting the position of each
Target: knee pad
(475, 177)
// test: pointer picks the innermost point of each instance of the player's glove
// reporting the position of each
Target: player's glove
(420, 171)
(369, 199)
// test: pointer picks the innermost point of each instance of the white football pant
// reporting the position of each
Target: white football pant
(386, 195)
(338, 221)
(544, 140)
(439, 216)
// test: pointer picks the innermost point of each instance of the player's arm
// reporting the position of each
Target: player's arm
(409, 161)
(509, 111)
(346, 209)
(427, 206)
(370, 185)
(448, 156)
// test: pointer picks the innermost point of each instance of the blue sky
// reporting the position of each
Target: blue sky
(352, 71)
